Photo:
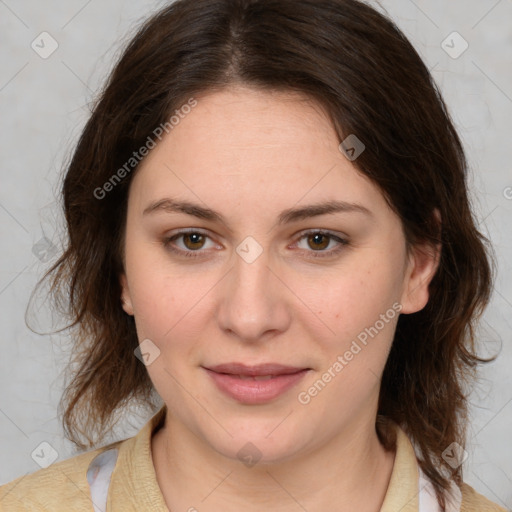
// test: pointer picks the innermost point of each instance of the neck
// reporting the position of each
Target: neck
(350, 472)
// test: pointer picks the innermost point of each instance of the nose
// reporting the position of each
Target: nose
(254, 304)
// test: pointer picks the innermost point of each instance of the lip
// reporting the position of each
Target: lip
(255, 384)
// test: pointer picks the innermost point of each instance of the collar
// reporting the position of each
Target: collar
(403, 487)
(134, 481)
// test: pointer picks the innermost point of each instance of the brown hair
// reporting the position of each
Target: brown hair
(358, 65)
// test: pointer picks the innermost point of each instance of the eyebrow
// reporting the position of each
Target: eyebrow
(285, 217)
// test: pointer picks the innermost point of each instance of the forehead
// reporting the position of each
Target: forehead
(242, 122)
(248, 145)
(247, 122)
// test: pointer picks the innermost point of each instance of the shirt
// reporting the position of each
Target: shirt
(122, 478)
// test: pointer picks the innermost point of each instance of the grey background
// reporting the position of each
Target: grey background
(44, 105)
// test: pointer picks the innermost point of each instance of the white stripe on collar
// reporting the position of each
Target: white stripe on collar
(98, 477)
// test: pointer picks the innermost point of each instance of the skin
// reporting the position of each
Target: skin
(249, 155)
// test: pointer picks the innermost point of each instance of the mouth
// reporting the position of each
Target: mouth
(254, 385)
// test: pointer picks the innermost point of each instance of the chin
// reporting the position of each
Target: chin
(257, 444)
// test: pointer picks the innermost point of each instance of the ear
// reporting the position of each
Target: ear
(421, 268)
(126, 300)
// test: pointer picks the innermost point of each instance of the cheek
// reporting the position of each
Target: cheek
(352, 299)
(170, 304)
(149, 294)
(165, 305)
(362, 310)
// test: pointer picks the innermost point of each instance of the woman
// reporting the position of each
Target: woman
(269, 231)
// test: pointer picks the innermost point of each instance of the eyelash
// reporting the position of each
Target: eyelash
(197, 254)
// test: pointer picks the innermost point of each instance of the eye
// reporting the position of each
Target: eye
(318, 241)
(193, 241)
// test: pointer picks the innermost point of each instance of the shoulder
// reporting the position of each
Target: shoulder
(62, 486)
(475, 502)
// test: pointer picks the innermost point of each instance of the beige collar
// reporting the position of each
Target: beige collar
(134, 472)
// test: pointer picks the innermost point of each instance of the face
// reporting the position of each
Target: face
(268, 275)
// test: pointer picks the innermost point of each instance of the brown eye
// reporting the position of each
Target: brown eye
(193, 241)
(318, 241)
(190, 243)
(321, 244)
